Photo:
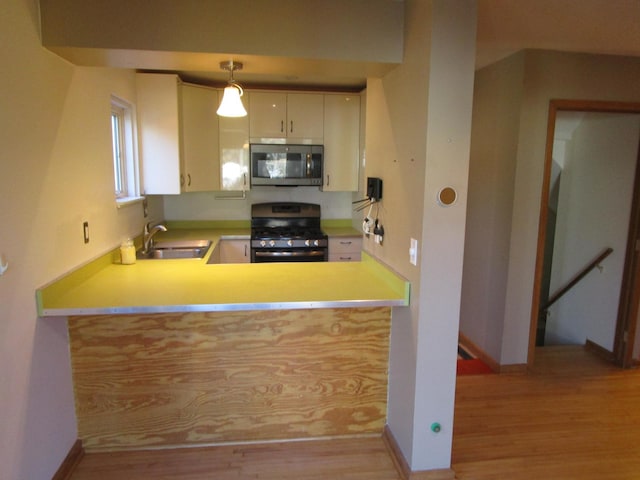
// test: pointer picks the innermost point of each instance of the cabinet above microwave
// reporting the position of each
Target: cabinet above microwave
(295, 118)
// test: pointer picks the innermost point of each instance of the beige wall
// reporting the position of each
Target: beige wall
(417, 141)
(327, 30)
(496, 119)
(543, 76)
(56, 172)
(270, 27)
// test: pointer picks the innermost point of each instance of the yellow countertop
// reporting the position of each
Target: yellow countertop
(153, 286)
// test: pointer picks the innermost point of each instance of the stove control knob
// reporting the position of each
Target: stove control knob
(290, 243)
(263, 243)
(307, 243)
(315, 243)
(272, 243)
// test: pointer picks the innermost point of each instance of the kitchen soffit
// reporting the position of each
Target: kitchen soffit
(504, 27)
(280, 42)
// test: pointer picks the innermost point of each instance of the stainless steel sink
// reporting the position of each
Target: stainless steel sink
(172, 249)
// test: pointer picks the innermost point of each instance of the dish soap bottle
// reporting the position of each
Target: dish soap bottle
(128, 252)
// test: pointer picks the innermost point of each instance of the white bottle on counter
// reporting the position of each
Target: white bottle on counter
(128, 252)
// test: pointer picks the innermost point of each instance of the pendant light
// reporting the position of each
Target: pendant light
(231, 105)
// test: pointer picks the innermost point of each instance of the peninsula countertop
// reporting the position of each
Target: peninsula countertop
(187, 285)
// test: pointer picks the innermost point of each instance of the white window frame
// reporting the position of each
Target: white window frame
(126, 170)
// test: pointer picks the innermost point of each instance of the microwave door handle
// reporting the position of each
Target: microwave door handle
(309, 165)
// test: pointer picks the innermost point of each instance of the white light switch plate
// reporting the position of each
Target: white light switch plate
(413, 252)
(3, 264)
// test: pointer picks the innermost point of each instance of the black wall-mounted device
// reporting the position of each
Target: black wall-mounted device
(374, 189)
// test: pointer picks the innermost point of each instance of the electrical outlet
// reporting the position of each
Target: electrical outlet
(85, 230)
(413, 252)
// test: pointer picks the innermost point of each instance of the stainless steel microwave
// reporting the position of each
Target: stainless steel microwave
(286, 165)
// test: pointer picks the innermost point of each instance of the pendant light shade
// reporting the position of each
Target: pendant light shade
(231, 104)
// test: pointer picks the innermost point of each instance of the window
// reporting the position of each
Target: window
(125, 164)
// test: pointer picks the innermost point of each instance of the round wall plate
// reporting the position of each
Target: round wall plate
(447, 196)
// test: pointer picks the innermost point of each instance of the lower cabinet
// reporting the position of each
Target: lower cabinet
(231, 251)
(345, 249)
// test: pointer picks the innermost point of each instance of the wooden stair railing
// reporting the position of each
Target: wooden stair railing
(556, 296)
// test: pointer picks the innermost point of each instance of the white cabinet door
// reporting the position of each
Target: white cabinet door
(305, 117)
(341, 142)
(345, 249)
(178, 135)
(234, 152)
(158, 112)
(267, 115)
(234, 251)
(201, 170)
(296, 117)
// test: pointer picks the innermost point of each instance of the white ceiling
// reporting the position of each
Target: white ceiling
(587, 26)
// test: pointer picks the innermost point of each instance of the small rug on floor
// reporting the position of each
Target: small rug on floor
(473, 366)
(470, 365)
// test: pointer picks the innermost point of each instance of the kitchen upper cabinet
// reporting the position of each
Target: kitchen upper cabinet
(201, 167)
(295, 117)
(158, 112)
(234, 152)
(178, 135)
(341, 142)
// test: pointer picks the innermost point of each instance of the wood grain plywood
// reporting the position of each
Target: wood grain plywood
(221, 377)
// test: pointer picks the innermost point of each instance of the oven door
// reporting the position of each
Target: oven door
(288, 255)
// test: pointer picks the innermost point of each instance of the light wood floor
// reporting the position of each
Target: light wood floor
(353, 459)
(573, 417)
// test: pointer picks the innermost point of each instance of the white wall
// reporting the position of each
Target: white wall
(594, 208)
(418, 129)
(210, 205)
(56, 172)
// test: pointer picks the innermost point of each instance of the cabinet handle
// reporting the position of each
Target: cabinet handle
(345, 243)
(245, 249)
(328, 180)
(188, 179)
(291, 126)
(181, 180)
(281, 126)
(244, 179)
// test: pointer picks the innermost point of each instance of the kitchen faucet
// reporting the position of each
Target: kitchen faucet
(148, 234)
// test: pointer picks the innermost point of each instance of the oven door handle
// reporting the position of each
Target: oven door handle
(306, 253)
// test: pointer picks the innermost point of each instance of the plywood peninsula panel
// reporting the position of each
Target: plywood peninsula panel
(218, 377)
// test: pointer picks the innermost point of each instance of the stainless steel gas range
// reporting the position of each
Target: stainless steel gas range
(287, 232)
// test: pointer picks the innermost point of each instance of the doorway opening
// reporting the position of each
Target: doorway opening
(587, 279)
